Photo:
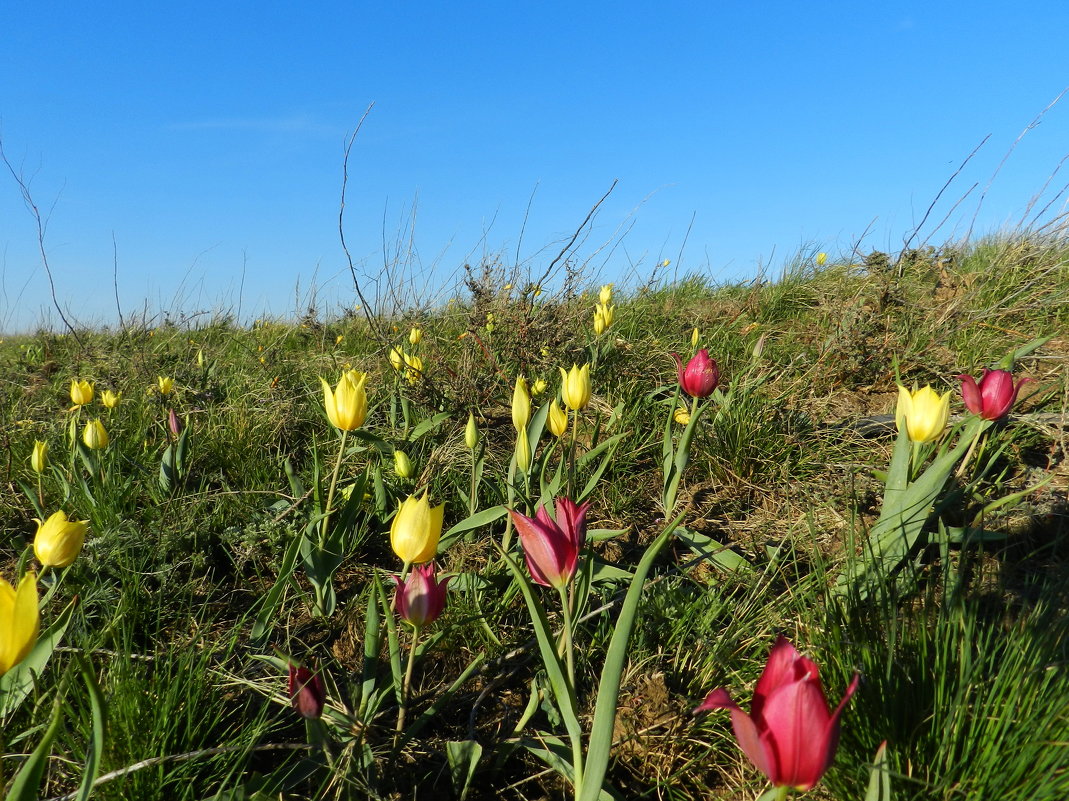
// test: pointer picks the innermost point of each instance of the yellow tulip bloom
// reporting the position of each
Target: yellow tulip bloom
(59, 541)
(81, 392)
(695, 335)
(20, 622)
(95, 436)
(538, 387)
(602, 318)
(166, 385)
(521, 404)
(347, 406)
(416, 529)
(575, 387)
(39, 457)
(681, 415)
(605, 295)
(397, 358)
(822, 259)
(110, 399)
(558, 420)
(415, 336)
(413, 369)
(923, 412)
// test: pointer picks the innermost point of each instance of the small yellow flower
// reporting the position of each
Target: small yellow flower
(200, 357)
(665, 263)
(490, 322)
(923, 412)
(471, 432)
(605, 295)
(414, 368)
(558, 420)
(59, 541)
(681, 415)
(603, 315)
(416, 529)
(415, 336)
(695, 335)
(110, 399)
(575, 387)
(166, 385)
(39, 457)
(346, 407)
(339, 339)
(537, 291)
(95, 436)
(81, 392)
(20, 621)
(822, 259)
(521, 404)
(538, 387)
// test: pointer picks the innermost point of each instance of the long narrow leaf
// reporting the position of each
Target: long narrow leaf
(96, 742)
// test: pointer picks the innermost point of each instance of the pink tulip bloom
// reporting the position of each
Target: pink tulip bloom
(790, 734)
(306, 692)
(701, 375)
(994, 395)
(551, 547)
(421, 598)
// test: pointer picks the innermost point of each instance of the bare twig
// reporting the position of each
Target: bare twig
(341, 217)
(575, 236)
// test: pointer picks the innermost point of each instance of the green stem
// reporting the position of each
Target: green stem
(330, 493)
(405, 687)
(566, 643)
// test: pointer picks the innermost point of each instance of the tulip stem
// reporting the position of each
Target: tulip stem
(330, 493)
(566, 642)
(405, 688)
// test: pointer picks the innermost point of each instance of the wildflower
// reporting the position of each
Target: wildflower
(521, 404)
(538, 387)
(993, 396)
(415, 530)
(701, 375)
(790, 734)
(681, 415)
(551, 547)
(347, 406)
(402, 465)
(306, 692)
(339, 339)
(489, 322)
(81, 392)
(471, 432)
(575, 387)
(413, 368)
(421, 598)
(603, 315)
(415, 336)
(166, 385)
(397, 358)
(822, 259)
(694, 336)
(174, 423)
(605, 295)
(95, 436)
(923, 412)
(110, 399)
(523, 451)
(59, 541)
(39, 457)
(200, 357)
(20, 621)
(558, 420)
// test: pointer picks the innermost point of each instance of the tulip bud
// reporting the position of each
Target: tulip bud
(694, 335)
(20, 621)
(700, 377)
(306, 692)
(605, 295)
(200, 357)
(521, 404)
(58, 541)
(416, 529)
(397, 358)
(39, 457)
(603, 315)
(681, 415)
(924, 413)
(166, 385)
(523, 451)
(538, 387)
(95, 436)
(413, 369)
(822, 259)
(471, 432)
(110, 399)
(402, 465)
(81, 392)
(174, 423)
(558, 420)
(415, 336)
(421, 598)
(575, 387)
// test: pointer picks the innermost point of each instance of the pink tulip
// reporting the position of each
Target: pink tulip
(551, 547)
(790, 735)
(306, 692)
(701, 375)
(421, 598)
(995, 394)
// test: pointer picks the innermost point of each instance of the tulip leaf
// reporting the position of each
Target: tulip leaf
(267, 612)
(710, 549)
(27, 781)
(555, 754)
(16, 684)
(477, 520)
(425, 426)
(463, 756)
(96, 743)
(879, 788)
(372, 639)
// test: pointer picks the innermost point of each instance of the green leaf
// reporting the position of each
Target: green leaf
(879, 777)
(96, 743)
(712, 550)
(463, 756)
(425, 426)
(477, 520)
(27, 781)
(264, 617)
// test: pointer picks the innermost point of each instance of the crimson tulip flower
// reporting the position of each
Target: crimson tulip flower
(306, 692)
(700, 376)
(551, 547)
(789, 734)
(993, 396)
(421, 598)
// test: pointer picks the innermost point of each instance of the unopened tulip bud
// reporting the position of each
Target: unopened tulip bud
(471, 432)
(605, 295)
(402, 465)
(306, 692)
(421, 598)
(415, 336)
(523, 451)
(694, 336)
(575, 387)
(173, 422)
(95, 436)
(822, 259)
(521, 404)
(558, 420)
(700, 377)
(39, 457)
(416, 529)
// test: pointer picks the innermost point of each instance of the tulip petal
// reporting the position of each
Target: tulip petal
(970, 393)
(780, 669)
(795, 722)
(831, 732)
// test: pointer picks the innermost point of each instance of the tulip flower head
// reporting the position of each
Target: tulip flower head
(681, 415)
(166, 385)
(110, 399)
(397, 358)
(59, 540)
(346, 406)
(420, 599)
(415, 336)
(822, 259)
(81, 392)
(306, 692)
(39, 457)
(603, 315)
(523, 452)
(551, 547)
(993, 395)
(790, 734)
(575, 387)
(20, 621)
(95, 436)
(558, 420)
(700, 376)
(605, 295)
(695, 335)
(402, 465)
(538, 387)
(413, 368)
(471, 432)
(521, 404)
(416, 529)
(923, 412)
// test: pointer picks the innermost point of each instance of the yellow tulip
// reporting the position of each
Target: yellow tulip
(59, 541)
(397, 358)
(575, 387)
(694, 336)
(558, 420)
(20, 622)
(521, 404)
(471, 432)
(39, 457)
(923, 412)
(81, 392)
(681, 415)
(602, 318)
(95, 436)
(110, 399)
(822, 259)
(414, 368)
(415, 336)
(538, 387)
(523, 451)
(402, 465)
(605, 295)
(415, 530)
(346, 407)
(166, 384)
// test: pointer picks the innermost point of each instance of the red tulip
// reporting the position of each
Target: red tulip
(306, 692)
(995, 394)
(701, 375)
(421, 598)
(551, 547)
(790, 735)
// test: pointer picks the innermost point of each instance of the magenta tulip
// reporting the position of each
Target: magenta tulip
(421, 598)
(994, 395)
(306, 692)
(790, 734)
(701, 375)
(551, 547)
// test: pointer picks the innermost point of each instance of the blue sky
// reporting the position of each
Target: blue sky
(202, 142)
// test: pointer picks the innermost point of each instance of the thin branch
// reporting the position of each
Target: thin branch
(341, 216)
(115, 279)
(579, 230)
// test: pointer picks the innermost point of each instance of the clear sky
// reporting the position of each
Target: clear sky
(198, 146)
